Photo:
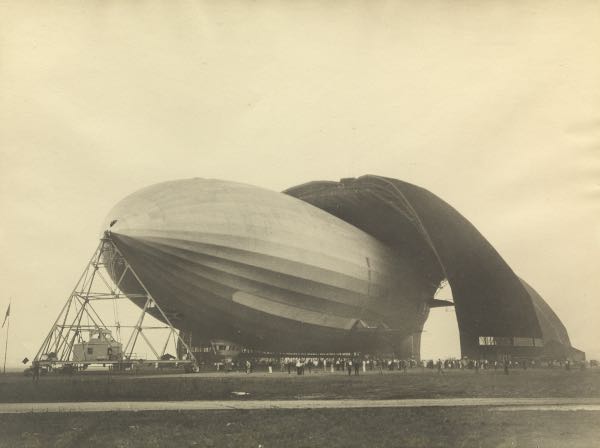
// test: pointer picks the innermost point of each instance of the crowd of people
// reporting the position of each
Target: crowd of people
(353, 365)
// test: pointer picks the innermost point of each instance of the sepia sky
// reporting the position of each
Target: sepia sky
(494, 106)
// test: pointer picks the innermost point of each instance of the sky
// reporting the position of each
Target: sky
(493, 106)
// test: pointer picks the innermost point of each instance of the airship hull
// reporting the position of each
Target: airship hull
(266, 270)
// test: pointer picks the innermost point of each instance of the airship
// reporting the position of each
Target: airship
(349, 266)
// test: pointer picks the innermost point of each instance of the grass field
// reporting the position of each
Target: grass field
(390, 385)
(420, 427)
(393, 427)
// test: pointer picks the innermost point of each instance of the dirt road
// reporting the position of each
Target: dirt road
(512, 404)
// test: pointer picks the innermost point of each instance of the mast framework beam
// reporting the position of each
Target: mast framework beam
(57, 347)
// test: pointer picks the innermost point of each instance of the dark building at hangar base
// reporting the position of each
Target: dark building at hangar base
(349, 266)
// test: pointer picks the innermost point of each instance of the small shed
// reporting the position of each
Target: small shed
(101, 346)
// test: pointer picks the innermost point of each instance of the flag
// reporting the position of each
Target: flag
(6, 315)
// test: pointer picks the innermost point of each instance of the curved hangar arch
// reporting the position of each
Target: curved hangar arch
(495, 309)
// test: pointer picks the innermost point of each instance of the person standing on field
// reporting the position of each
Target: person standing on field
(36, 371)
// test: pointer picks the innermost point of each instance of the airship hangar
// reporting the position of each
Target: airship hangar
(324, 267)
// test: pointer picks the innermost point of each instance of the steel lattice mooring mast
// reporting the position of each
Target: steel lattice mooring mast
(80, 336)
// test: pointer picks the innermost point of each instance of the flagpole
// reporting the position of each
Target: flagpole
(6, 342)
